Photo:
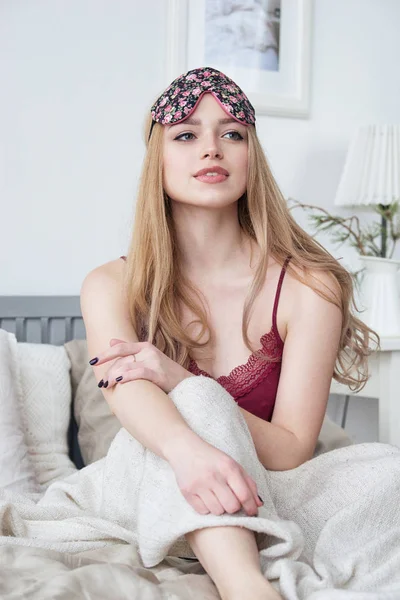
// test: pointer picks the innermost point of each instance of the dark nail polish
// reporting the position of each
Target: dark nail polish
(106, 384)
(101, 383)
(119, 378)
(261, 500)
(93, 361)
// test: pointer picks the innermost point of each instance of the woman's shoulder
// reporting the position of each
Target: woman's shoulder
(301, 279)
(311, 292)
(111, 272)
(102, 294)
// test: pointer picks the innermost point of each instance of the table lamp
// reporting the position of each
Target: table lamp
(370, 179)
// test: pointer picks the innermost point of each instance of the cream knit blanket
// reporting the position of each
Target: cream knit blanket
(329, 529)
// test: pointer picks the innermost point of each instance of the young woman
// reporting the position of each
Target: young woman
(219, 280)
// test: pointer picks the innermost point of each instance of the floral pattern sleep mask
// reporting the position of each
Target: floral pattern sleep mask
(182, 96)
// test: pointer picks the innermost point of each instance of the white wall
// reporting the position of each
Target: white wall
(77, 77)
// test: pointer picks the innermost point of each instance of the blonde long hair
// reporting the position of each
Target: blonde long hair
(156, 288)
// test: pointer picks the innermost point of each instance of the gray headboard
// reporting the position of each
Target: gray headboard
(42, 319)
(46, 320)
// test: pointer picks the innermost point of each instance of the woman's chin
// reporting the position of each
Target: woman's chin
(208, 200)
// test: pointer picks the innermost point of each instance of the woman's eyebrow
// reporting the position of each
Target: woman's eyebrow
(193, 121)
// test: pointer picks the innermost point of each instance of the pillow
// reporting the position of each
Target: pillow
(97, 425)
(45, 409)
(16, 469)
(331, 437)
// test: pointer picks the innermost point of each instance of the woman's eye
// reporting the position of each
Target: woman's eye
(236, 133)
(182, 135)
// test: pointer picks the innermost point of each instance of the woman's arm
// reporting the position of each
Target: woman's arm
(277, 448)
(311, 345)
(142, 407)
(149, 414)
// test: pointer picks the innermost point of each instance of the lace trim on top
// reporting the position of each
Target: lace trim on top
(244, 378)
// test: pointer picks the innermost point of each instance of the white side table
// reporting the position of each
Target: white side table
(384, 384)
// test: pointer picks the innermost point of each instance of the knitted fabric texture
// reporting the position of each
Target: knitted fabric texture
(331, 524)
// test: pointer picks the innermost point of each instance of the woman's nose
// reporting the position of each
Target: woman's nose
(212, 148)
(212, 152)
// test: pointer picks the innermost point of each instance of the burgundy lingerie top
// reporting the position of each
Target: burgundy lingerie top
(254, 385)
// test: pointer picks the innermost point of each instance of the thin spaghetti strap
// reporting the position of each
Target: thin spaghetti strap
(277, 296)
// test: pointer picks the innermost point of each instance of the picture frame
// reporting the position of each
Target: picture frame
(283, 92)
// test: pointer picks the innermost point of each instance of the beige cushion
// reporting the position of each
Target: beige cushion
(98, 426)
(45, 407)
(331, 436)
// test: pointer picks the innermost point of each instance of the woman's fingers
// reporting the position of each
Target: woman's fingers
(227, 497)
(119, 350)
(243, 487)
(222, 499)
(253, 486)
(136, 371)
(212, 502)
(197, 503)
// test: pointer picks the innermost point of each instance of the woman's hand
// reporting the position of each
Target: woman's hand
(140, 360)
(211, 480)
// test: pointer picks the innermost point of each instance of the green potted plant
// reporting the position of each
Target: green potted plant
(376, 239)
(375, 244)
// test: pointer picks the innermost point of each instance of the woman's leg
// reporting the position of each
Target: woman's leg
(230, 557)
(229, 554)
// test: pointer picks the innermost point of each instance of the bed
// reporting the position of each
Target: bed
(111, 567)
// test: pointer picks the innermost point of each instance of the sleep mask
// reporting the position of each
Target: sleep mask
(182, 96)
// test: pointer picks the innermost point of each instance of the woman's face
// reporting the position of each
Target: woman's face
(208, 138)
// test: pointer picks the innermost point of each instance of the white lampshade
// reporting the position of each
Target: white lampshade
(371, 173)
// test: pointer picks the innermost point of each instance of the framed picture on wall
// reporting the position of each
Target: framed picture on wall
(263, 45)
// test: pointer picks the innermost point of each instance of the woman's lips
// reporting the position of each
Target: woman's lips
(219, 178)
